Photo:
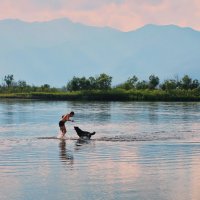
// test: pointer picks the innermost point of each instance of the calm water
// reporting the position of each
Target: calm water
(141, 150)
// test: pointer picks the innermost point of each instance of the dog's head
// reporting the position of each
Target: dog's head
(76, 128)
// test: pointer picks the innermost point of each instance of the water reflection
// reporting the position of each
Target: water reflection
(153, 112)
(84, 146)
(65, 155)
(8, 112)
(80, 142)
(92, 111)
(136, 160)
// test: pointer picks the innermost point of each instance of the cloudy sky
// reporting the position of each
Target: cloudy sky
(121, 14)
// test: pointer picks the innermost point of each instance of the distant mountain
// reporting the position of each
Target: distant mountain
(53, 52)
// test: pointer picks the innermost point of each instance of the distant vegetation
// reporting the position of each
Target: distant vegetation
(100, 88)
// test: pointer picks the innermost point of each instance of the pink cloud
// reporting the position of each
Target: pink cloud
(121, 14)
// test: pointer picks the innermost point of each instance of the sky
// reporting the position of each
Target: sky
(124, 15)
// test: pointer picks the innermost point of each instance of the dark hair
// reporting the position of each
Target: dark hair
(72, 113)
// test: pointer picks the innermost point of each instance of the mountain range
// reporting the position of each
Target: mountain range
(53, 52)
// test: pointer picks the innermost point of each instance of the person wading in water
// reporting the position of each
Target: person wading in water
(63, 120)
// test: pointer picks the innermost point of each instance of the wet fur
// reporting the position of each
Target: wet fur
(83, 134)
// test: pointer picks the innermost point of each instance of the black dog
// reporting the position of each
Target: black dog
(83, 134)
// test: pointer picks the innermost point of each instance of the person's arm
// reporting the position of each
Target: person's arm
(71, 120)
(67, 118)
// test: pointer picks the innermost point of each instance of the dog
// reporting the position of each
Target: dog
(83, 134)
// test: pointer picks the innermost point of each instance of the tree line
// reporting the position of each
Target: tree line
(9, 85)
(102, 82)
(185, 83)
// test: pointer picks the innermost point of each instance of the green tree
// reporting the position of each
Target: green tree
(129, 84)
(9, 79)
(93, 83)
(153, 81)
(84, 83)
(169, 85)
(73, 85)
(104, 82)
(195, 84)
(45, 87)
(186, 82)
(141, 85)
(21, 84)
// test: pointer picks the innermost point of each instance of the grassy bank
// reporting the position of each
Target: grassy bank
(111, 95)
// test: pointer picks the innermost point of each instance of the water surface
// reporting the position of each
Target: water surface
(141, 150)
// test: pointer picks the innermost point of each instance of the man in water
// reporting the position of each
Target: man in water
(63, 120)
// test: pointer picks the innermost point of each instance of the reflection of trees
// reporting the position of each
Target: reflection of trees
(187, 110)
(91, 111)
(105, 112)
(18, 111)
(65, 156)
(153, 108)
(8, 111)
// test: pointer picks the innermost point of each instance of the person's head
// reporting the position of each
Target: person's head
(71, 114)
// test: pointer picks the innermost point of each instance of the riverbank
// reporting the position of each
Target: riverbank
(111, 95)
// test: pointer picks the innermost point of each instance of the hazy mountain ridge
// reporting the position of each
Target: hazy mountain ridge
(55, 51)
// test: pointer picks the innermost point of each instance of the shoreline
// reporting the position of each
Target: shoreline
(108, 95)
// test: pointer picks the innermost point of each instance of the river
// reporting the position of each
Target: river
(141, 151)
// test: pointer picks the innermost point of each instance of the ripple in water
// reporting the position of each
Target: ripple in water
(140, 151)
